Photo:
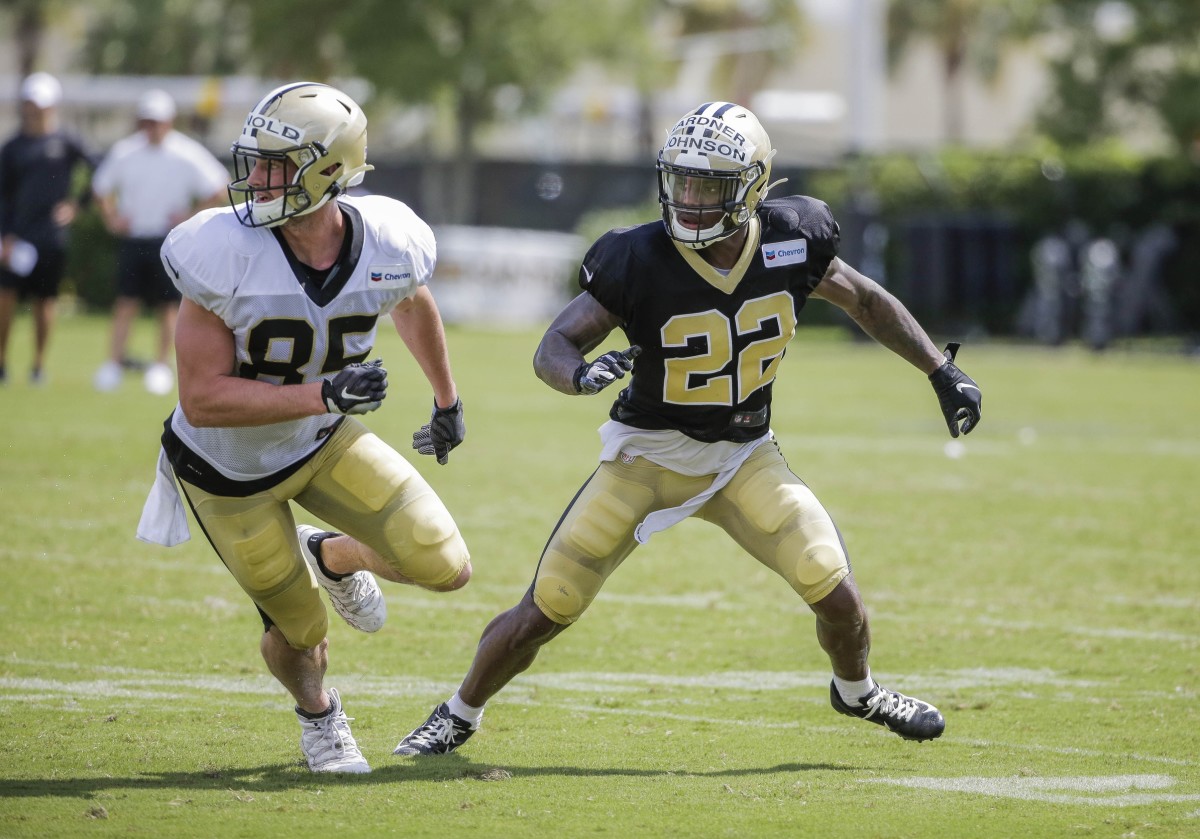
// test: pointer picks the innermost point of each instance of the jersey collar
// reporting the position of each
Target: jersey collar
(725, 283)
(322, 290)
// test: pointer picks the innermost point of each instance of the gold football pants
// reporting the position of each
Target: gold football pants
(361, 487)
(767, 510)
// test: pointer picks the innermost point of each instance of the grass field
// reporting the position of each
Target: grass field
(1042, 588)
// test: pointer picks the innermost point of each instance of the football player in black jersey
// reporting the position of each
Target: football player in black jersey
(708, 300)
(38, 205)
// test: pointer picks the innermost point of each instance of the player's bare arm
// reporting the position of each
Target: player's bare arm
(880, 315)
(209, 392)
(420, 327)
(578, 329)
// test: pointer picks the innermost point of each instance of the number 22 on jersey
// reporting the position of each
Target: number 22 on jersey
(756, 362)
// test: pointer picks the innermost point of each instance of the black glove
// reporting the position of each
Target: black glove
(957, 393)
(594, 376)
(357, 389)
(444, 431)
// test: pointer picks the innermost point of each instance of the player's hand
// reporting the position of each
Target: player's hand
(957, 393)
(444, 431)
(594, 376)
(357, 389)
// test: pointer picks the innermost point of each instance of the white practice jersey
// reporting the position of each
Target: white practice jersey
(154, 184)
(286, 331)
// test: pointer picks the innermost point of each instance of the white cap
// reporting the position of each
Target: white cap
(42, 90)
(156, 106)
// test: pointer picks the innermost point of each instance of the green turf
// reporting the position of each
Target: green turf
(1043, 589)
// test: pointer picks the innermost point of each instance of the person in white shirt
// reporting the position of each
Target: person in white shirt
(148, 183)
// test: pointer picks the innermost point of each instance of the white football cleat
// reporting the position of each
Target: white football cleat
(356, 598)
(327, 742)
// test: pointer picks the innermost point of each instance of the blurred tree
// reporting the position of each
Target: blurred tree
(165, 37)
(468, 59)
(1122, 65)
(474, 61)
(966, 33)
(29, 19)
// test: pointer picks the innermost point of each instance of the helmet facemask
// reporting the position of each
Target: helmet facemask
(712, 174)
(253, 207)
(310, 140)
(691, 196)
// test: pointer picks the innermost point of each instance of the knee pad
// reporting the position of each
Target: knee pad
(303, 624)
(431, 523)
(595, 536)
(812, 566)
(564, 588)
(424, 542)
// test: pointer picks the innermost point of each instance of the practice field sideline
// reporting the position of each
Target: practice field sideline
(1039, 583)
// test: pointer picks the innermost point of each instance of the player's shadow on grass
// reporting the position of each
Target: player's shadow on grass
(280, 777)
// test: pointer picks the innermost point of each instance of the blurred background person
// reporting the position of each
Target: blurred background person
(149, 182)
(36, 211)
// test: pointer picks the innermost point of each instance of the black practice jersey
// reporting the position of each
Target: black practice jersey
(710, 343)
(36, 174)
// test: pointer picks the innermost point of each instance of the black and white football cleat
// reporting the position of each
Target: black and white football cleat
(441, 734)
(911, 718)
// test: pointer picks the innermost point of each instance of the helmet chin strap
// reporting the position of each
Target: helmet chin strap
(267, 213)
(699, 239)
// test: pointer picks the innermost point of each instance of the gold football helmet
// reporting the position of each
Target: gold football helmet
(313, 139)
(717, 159)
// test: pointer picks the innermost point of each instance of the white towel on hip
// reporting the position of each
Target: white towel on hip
(163, 521)
(676, 451)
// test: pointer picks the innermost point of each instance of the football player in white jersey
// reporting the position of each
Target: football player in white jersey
(282, 292)
(707, 300)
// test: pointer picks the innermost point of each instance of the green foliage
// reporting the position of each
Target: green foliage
(91, 262)
(1041, 588)
(595, 224)
(1039, 190)
(419, 50)
(156, 38)
(967, 34)
(1124, 66)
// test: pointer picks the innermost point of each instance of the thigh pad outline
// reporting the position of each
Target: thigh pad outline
(593, 539)
(255, 539)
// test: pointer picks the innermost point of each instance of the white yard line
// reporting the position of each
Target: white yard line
(101, 682)
(1096, 631)
(1102, 790)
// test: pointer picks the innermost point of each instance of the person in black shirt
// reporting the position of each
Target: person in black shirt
(708, 300)
(36, 210)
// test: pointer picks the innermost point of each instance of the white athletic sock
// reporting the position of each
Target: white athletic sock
(852, 691)
(464, 711)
